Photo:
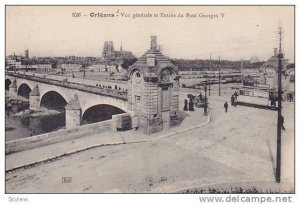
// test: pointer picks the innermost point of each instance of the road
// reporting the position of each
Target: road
(235, 148)
(84, 81)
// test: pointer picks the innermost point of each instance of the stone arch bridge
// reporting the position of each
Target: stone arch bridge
(78, 96)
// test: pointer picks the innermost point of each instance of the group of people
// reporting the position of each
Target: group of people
(188, 105)
(192, 101)
(233, 99)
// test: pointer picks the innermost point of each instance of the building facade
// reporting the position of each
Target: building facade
(70, 67)
(153, 90)
(270, 74)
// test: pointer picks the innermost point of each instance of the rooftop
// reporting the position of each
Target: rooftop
(154, 52)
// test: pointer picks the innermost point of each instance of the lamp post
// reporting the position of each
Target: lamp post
(205, 99)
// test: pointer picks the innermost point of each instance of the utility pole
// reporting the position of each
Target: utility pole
(209, 73)
(205, 99)
(242, 72)
(279, 116)
(219, 77)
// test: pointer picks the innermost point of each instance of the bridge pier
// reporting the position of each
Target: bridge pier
(34, 98)
(13, 89)
(73, 113)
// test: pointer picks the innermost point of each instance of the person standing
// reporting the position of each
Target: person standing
(273, 102)
(200, 96)
(235, 95)
(232, 100)
(191, 105)
(282, 122)
(185, 108)
(226, 106)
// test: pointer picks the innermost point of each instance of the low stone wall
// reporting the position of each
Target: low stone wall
(57, 136)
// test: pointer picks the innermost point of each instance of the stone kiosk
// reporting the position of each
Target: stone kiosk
(153, 90)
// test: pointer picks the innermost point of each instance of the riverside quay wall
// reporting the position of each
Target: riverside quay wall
(57, 136)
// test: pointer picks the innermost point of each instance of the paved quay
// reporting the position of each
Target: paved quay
(57, 150)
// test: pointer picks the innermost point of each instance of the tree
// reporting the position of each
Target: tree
(128, 62)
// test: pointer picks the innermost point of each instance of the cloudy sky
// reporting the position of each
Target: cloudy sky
(243, 32)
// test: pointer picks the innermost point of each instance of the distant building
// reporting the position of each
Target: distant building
(44, 67)
(112, 59)
(109, 54)
(272, 62)
(108, 50)
(270, 74)
(13, 62)
(70, 67)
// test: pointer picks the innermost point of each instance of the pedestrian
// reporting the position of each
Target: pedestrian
(226, 106)
(273, 102)
(282, 122)
(191, 105)
(200, 96)
(236, 95)
(232, 100)
(185, 108)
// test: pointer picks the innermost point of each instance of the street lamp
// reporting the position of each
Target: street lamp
(205, 99)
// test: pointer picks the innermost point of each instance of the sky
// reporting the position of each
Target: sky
(242, 32)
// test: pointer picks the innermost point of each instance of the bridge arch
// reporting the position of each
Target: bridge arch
(24, 90)
(7, 84)
(100, 112)
(53, 100)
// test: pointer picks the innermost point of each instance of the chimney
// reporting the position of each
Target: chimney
(153, 43)
(275, 52)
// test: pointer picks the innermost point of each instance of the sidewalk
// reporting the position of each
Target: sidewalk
(55, 151)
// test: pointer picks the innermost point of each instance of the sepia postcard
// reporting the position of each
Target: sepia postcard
(150, 99)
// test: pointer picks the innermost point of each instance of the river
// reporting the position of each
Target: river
(21, 127)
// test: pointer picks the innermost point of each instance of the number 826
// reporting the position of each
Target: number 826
(76, 14)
